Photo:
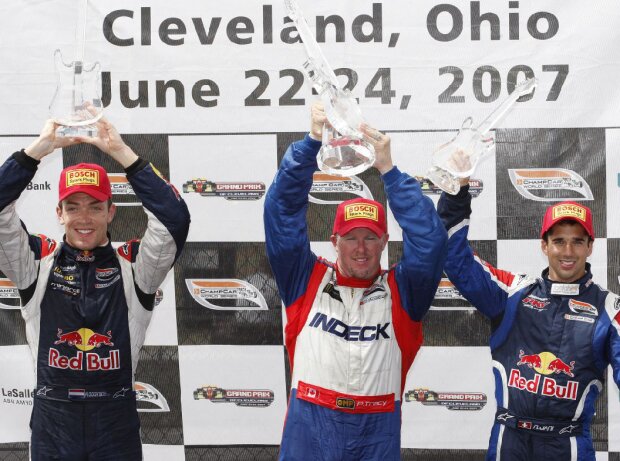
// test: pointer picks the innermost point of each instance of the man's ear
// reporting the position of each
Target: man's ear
(59, 215)
(111, 213)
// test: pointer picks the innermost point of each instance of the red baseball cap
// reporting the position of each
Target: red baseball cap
(568, 210)
(89, 178)
(360, 212)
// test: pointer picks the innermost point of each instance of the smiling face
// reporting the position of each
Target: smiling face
(86, 220)
(567, 246)
(359, 252)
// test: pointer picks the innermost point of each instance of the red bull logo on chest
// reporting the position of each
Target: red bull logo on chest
(84, 339)
(545, 364)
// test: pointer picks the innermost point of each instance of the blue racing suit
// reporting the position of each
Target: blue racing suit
(551, 345)
(350, 341)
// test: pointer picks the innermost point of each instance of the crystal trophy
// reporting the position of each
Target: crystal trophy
(458, 158)
(76, 104)
(344, 151)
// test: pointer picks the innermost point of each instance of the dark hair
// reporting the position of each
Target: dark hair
(571, 222)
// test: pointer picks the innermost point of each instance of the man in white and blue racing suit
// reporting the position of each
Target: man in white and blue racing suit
(352, 328)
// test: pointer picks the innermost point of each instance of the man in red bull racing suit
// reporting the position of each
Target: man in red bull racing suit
(87, 305)
(552, 337)
(352, 329)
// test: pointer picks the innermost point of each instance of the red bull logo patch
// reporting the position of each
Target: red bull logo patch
(84, 340)
(545, 364)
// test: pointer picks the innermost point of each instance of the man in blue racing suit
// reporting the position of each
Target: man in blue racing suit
(352, 329)
(87, 305)
(552, 336)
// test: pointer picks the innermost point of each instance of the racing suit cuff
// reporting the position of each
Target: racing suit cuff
(136, 166)
(312, 143)
(463, 192)
(392, 176)
(25, 160)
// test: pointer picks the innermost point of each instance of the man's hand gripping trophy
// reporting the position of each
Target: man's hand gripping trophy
(456, 160)
(345, 152)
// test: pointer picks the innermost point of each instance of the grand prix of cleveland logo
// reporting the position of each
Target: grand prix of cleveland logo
(227, 190)
(229, 294)
(550, 184)
(240, 397)
(429, 188)
(450, 400)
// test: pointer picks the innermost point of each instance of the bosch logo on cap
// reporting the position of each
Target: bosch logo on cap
(80, 177)
(567, 210)
(361, 210)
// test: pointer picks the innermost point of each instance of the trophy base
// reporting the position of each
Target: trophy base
(345, 157)
(86, 131)
(443, 179)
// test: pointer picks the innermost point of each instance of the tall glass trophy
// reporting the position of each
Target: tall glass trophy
(344, 151)
(76, 104)
(458, 158)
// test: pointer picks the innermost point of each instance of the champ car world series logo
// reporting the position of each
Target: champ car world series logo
(323, 183)
(536, 183)
(229, 294)
(9, 295)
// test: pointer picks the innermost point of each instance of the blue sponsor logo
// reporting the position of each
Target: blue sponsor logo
(349, 333)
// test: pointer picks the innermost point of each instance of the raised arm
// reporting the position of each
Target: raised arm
(20, 252)
(286, 204)
(168, 216)
(484, 286)
(424, 237)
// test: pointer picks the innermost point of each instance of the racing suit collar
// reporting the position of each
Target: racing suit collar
(583, 283)
(95, 253)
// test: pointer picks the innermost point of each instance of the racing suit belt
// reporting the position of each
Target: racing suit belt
(345, 402)
(78, 393)
(538, 426)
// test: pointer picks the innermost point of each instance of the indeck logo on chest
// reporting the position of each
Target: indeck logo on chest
(347, 332)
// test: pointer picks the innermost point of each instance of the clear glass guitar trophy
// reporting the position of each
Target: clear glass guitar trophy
(458, 158)
(76, 104)
(344, 151)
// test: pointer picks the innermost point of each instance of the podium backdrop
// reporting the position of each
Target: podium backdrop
(213, 92)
